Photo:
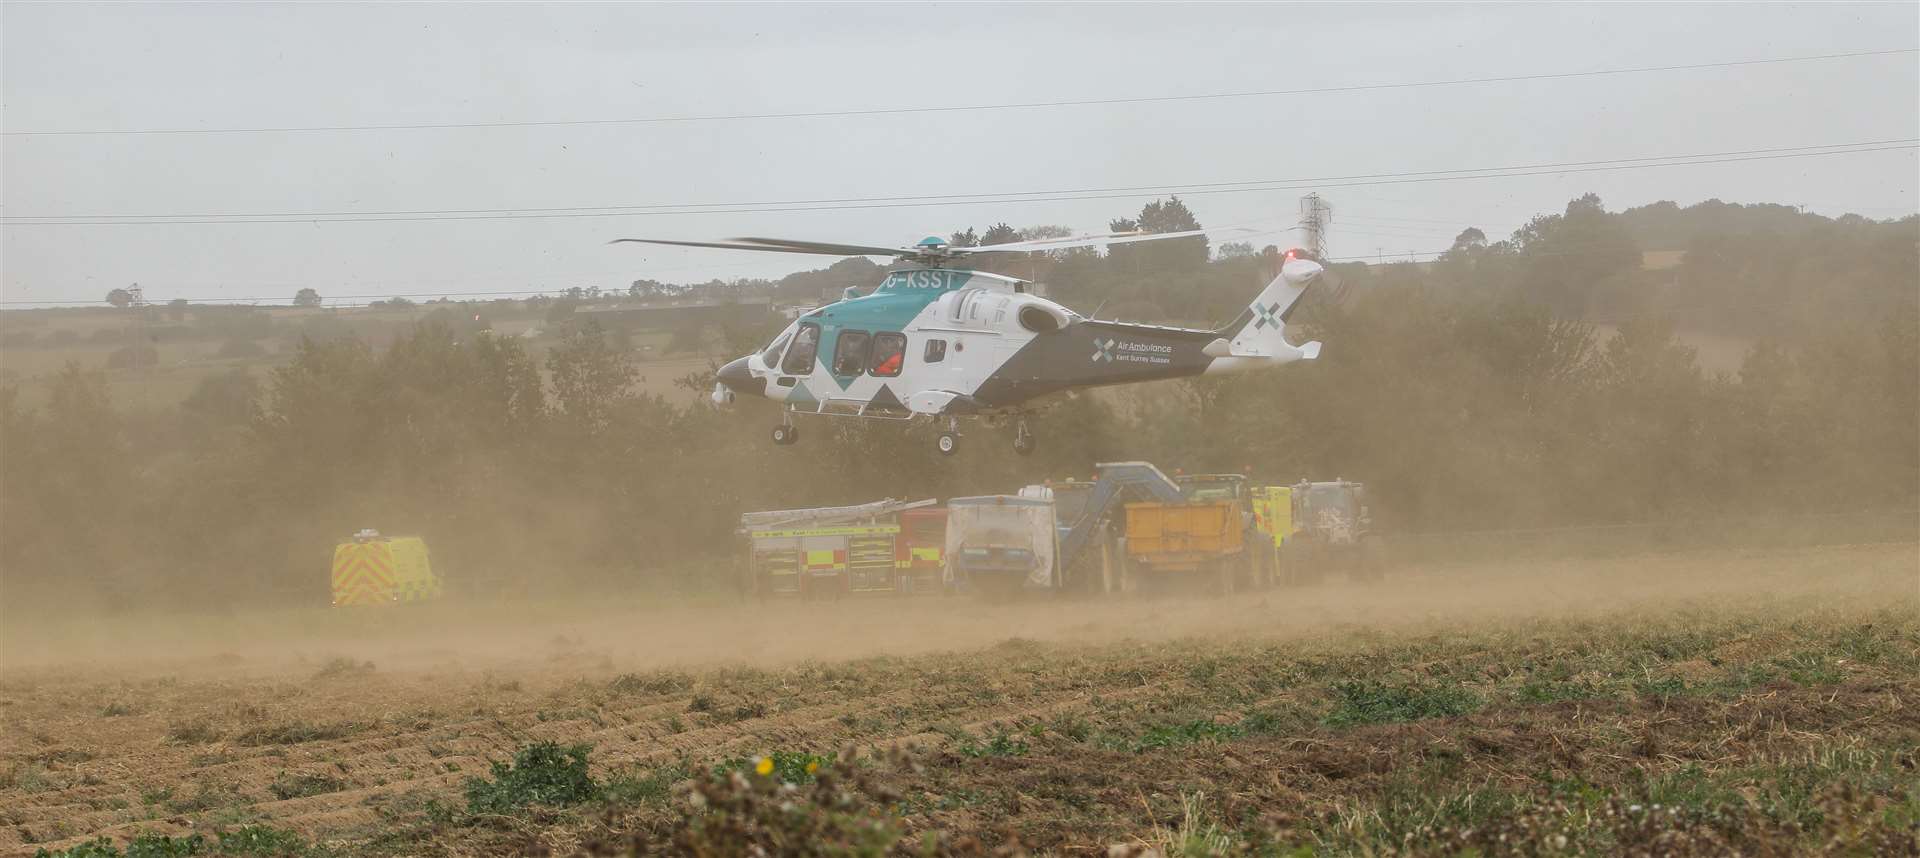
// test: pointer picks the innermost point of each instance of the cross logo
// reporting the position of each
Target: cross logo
(1102, 350)
(1265, 316)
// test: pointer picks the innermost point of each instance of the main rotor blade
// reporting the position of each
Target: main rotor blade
(767, 245)
(798, 246)
(1047, 243)
(1041, 244)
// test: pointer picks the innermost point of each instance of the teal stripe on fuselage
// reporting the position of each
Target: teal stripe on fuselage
(891, 307)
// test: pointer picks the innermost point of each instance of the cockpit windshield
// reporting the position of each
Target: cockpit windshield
(771, 357)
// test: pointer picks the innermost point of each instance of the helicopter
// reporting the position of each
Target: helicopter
(933, 341)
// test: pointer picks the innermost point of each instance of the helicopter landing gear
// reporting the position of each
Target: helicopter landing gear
(785, 434)
(1023, 440)
(949, 440)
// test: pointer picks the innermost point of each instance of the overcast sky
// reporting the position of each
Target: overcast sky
(230, 65)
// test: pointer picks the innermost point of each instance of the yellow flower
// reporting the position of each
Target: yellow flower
(765, 766)
(813, 766)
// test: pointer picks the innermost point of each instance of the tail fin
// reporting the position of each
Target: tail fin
(1260, 331)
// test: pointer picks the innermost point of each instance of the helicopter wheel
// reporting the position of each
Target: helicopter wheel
(1023, 440)
(785, 434)
(948, 443)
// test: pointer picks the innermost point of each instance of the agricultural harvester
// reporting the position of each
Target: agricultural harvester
(1331, 528)
(1130, 528)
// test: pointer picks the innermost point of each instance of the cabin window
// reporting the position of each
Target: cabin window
(889, 352)
(771, 356)
(850, 353)
(806, 345)
(936, 351)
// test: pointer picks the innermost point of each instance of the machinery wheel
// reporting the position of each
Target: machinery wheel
(1223, 572)
(785, 434)
(947, 443)
(1373, 560)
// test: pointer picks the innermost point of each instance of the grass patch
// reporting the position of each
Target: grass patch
(1362, 702)
(1201, 730)
(1810, 668)
(1553, 691)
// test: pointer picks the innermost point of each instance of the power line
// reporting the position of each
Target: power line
(1029, 105)
(1030, 197)
(1184, 187)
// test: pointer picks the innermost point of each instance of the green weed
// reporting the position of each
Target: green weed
(249, 840)
(543, 773)
(999, 745)
(654, 787)
(262, 840)
(792, 767)
(141, 846)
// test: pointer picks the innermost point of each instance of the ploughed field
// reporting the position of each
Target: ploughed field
(1705, 703)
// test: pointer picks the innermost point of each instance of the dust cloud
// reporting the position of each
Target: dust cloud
(615, 632)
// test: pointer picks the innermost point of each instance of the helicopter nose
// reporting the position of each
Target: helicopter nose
(739, 379)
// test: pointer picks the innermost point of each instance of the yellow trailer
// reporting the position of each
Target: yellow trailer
(1204, 542)
(1182, 536)
(377, 570)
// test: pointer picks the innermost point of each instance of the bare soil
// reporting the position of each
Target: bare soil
(1343, 717)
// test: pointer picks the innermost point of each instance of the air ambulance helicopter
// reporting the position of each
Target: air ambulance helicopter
(945, 343)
